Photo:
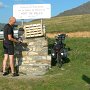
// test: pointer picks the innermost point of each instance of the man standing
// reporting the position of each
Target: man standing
(9, 46)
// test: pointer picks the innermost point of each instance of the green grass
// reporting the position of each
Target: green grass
(75, 76)
(66, 23)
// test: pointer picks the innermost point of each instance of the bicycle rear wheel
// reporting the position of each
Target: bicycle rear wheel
(59, 61)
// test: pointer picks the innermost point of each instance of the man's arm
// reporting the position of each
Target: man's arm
(12, 39)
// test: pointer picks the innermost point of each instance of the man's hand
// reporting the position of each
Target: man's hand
(19, 42)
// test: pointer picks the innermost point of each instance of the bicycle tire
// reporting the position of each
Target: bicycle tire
(59, 61)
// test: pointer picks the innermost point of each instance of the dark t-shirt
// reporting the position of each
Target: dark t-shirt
(8, 30)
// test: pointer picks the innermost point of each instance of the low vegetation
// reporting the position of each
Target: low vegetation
(75, 23)
(74, 75)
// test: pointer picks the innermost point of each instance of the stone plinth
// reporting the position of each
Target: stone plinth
(32, 56)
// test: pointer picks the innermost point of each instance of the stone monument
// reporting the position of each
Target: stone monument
(32, 55)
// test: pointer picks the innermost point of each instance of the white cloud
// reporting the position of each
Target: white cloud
(3, 5)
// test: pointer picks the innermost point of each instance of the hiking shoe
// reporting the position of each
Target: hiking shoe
(5, 73)
(15, 74)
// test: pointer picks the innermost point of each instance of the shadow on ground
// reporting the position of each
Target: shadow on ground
(86, 79)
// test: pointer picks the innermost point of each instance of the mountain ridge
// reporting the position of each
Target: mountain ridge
(80, 10)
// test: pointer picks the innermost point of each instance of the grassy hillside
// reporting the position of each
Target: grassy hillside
(75, 74)
(66, 23)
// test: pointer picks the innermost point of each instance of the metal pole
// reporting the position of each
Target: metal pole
(22, 22)
(41, 22)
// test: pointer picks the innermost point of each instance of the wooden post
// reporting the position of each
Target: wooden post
(42, 24)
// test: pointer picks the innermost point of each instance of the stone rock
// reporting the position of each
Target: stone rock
(32, 56)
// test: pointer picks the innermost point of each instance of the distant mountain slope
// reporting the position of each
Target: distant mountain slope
(1, 26)
(82, 9)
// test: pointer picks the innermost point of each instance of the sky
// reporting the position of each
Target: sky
(57, 6)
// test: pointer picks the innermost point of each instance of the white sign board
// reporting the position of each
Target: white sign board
(31, 11)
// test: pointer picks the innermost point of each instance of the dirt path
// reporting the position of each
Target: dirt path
(73, 34)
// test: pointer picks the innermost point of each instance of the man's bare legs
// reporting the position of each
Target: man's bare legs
(11, 58)
(5, 62)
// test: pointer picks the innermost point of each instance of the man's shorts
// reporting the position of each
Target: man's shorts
(8, 49)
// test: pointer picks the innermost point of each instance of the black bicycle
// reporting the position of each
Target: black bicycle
(59, 51)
